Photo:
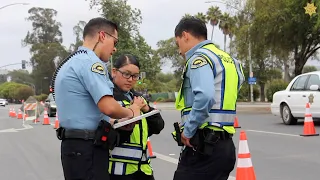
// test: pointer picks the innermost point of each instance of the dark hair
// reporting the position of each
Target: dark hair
(192, 25)
(99, 24)
(125, 60)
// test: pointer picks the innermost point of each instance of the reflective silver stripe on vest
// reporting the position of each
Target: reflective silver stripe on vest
(214, 119)
(127, 153)
(131, 153)
(118, 168)
(241, 77)
(218, 70)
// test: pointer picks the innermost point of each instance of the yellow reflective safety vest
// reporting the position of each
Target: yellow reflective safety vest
(228, 78)
(128, 158)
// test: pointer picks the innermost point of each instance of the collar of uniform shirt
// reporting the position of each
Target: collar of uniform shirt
(90, 52)
(192, 50)
(84, 48)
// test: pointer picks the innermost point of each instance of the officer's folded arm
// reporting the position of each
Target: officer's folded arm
(110, 107)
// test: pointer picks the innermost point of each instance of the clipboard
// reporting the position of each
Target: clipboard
(126, 122)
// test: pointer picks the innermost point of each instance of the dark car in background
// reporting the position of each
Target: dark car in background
(51, 106)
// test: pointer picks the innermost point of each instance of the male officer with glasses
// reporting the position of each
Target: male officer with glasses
(84, 95)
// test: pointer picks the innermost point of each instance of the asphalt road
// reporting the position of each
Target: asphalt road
(277, 150)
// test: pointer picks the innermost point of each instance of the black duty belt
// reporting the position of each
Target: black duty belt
(223, 135)
(79, 134)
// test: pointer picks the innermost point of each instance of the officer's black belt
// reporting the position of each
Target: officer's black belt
(79, 134)
(223, 135)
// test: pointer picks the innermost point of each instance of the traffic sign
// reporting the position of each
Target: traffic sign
(252, 80)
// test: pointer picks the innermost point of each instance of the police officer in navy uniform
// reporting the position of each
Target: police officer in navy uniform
(207, 101)
(84, 97)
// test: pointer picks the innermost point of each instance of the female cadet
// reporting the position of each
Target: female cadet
(130, 160)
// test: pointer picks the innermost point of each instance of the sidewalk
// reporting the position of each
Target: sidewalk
(248, 107)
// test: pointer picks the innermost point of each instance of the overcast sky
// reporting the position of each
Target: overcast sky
(159, 20)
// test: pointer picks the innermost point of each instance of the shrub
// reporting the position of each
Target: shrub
(160, 99)
(41, 97)
(274, 86)
(244, 94)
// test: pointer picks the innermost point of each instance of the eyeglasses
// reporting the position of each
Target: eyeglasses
(116, 39)
(128, 75)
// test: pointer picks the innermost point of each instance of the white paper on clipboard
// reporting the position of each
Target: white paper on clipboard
(123, 123)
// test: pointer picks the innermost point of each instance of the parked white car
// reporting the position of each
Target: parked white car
(290, 103)
(3, 102)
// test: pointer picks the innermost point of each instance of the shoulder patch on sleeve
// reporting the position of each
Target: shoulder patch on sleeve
(98, 68)
(198, 62)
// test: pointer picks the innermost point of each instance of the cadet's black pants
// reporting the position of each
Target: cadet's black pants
(135, 176)
(193, 165)
(81, 160)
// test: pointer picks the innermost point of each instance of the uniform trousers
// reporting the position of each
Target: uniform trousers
(193, 165)
(135, 176)
(82, 160)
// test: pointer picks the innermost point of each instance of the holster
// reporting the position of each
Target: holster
(204, 141)
(106, 136)
(60, 133)
(178, 133)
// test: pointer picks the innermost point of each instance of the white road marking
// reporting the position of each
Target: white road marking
(8, 130)
(171, 154)
(25, 127)
(274, 133)
(175, 161)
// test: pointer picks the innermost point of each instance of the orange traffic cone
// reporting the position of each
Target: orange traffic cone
(46, 120)
(19, 114)
(14, 113)
(10, 112)
(245, 169)
(56, 122)
(236, 122)
(155, 104)
(308, 128)
(151, 155)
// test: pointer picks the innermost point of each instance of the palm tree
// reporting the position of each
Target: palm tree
(232, 26)
(213, 15)
(202, 17)
(225, 26)
(187, 15)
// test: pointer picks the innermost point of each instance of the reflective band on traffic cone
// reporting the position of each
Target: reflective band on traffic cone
(14, 113)
(151, 155)
(19, 114)
(245, 169)
(10, 112)
(308, 127)
(236, 122)
(56, 122)
(46, 120)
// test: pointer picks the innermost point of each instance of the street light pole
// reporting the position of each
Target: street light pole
(13, 5)
(249, 50)
(250, 72)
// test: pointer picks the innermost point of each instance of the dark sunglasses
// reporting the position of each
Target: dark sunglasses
(115, 39)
